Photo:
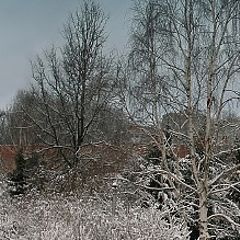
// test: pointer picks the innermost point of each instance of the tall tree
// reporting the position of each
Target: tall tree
(197, 49)
(73, 83)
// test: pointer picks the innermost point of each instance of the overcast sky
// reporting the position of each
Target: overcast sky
(29, 26)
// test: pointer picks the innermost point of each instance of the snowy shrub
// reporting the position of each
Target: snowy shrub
(56, 217)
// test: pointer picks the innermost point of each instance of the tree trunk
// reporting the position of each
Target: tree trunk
(203, 210)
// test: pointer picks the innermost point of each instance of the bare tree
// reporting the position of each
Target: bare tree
(72, 83)
(197, 49)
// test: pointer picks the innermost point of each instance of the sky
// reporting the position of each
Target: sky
(27, 27)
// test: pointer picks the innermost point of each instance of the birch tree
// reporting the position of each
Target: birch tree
(201, 60)
(149, 86)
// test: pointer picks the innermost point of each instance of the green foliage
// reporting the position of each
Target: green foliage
(25, 175)
(153, 156)
(18, 178)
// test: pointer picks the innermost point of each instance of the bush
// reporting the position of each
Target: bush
(56, 217)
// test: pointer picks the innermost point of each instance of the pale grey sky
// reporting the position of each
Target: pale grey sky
(29, 26)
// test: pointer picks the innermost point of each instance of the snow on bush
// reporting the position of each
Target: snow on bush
(66, 218)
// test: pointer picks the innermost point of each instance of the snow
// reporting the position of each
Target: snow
(66, 218)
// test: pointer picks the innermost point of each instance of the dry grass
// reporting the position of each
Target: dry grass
(61, 218)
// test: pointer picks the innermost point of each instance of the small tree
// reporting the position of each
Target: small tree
(18, 178)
